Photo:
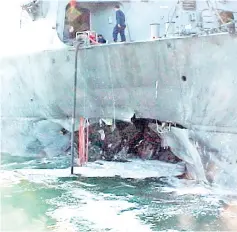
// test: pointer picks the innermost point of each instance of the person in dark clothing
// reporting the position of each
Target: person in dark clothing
(101, 39)
(120, 25)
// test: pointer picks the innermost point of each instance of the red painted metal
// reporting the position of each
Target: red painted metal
(83, 141)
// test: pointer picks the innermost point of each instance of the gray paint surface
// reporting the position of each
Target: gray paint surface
(126, 76)
(118, 80)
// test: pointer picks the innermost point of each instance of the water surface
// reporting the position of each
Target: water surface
(41, 202)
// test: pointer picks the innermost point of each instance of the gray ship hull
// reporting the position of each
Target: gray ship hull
(191, 81)
(146, 78)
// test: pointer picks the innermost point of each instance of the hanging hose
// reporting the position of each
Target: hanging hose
(74, 108)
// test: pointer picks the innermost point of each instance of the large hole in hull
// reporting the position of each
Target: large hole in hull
(122, 141)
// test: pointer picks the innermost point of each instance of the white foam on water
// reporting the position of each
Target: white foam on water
(137, 169)
(99, 213)
(8, 178)
(198, 190)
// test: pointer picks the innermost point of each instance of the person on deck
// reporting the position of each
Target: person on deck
(120, 25)
(101, 39)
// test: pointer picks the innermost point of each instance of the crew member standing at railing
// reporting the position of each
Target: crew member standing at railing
(120, 25)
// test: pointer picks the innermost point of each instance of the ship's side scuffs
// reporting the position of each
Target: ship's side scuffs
(39, 138)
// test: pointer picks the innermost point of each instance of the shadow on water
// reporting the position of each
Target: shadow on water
(8, 159)
(9, 162)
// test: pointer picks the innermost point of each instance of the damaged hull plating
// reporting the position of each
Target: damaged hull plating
(190, 81)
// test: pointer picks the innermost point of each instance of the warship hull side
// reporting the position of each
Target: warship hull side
(191, 81)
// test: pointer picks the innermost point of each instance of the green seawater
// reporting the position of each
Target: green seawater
(77, 203)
